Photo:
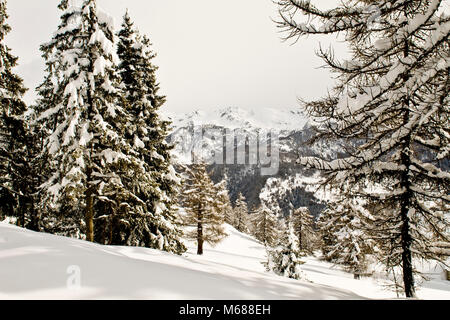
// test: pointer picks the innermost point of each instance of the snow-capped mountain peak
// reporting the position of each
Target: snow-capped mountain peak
(234, 117)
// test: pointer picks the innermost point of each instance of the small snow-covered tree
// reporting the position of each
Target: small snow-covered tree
(303, 224)
(203, 211)
(350, 245)
(223, 201)
(390, 109)
(265, 226)
(326, 224)
(285, 259)
(241, 217)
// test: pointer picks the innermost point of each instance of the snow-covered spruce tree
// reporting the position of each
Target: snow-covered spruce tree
(146, 133)
(265, 226)
(241, 216)
(44, 117)
(303, 224)
(391, 106)
(224, 202)
(285, 258)
(78, 108)
(350, 245)
(224, 196)
(84, 117)
(26, 170)
(203, 217)
(326, 223)
(15, 194)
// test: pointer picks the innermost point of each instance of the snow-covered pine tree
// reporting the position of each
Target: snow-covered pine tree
(84, 118)
(203, 216)
(303, 224)
(224, 196)
(241, 216)
(391, 107)
(326, 223)
(223, 201)
(285, 258)
(350, 245)
(46, 114)
(27, 172)
(15, 195)
(146, 133)
(265, 226)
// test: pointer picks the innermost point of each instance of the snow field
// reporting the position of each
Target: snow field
(42, 266)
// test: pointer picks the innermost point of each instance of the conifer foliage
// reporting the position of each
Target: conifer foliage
(326, 223)
(345, 241)
(391, 110)
(241, 216)
(85, 120)
(14, 195)
(285, 258)
(104, 140)
(204, 216)
(265, 226)
(146, 133)
(303, 224)
(224, 199)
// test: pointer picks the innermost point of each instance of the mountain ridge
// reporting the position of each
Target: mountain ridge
(235, 117)
(250, 128)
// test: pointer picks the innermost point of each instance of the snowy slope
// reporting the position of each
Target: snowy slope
(35, 265)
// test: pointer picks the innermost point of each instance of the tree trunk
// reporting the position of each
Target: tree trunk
(200, 238)
(408, 277)
(115, 238)
(406, 240)
(89, 210)
(21, 217)
(89, 214)
(34, 217)
(300, 237)
(200, 233)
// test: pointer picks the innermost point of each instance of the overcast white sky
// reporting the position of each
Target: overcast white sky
(211, 53)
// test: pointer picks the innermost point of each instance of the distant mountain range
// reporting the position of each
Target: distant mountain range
(203, 134)
(234, 117)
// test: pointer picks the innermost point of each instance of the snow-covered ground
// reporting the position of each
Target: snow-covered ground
(41, 266)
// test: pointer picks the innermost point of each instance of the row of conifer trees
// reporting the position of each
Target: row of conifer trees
(90, 157)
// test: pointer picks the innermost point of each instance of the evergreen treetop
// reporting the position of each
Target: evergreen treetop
(146, 133)
(241, 216)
